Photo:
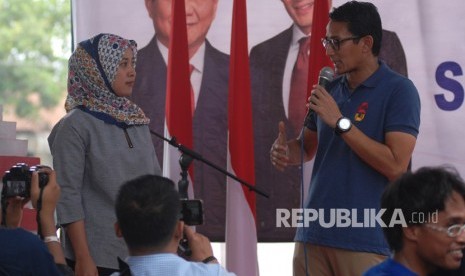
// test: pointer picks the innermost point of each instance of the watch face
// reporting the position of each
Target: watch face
(344, 124)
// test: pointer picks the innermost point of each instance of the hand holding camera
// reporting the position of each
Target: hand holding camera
(51, 190)
(23, 183)
(194, 246)
(199, 245)
(17, 181)
(191, 214)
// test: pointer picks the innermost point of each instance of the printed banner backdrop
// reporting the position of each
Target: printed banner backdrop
(431, 34)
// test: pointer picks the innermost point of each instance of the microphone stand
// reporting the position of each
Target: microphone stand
(184, 161)
(194, 155)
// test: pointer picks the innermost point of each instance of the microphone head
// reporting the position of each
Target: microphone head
(326, 76)
(327, 73)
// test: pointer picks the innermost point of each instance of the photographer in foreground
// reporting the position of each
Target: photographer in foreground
(148, 209)
(23, 253)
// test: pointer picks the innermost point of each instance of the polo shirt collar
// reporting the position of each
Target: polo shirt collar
(374, 79)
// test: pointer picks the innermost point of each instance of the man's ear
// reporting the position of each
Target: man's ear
(149, 6)
(367, 43)
(118, 232)
(179, 230)
(215, 6)
(411, 232)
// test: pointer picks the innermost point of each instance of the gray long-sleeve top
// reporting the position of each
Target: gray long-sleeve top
(92, 160)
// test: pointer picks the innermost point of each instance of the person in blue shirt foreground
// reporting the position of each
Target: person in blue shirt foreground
(22, 252)
(432, 203)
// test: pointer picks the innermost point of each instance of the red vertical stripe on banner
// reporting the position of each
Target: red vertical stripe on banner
(240, 103)
(178, 98)
(241, 231)
(318, 58)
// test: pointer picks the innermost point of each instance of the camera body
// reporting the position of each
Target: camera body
(192, 211)
(191, 214)
(17, 181)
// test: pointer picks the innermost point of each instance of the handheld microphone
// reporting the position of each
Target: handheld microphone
(326, 76)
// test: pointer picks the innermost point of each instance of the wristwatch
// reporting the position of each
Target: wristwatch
(343, 124)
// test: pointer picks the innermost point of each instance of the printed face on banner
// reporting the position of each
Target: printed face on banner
(301, 13)
(199, 17)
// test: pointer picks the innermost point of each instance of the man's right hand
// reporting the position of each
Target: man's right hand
(279, 153)
(199, 244)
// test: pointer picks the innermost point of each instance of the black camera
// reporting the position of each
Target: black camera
(17, 181)
(192, 211)
(191, 214)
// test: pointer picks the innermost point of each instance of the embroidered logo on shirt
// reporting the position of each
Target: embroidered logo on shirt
(361, 111)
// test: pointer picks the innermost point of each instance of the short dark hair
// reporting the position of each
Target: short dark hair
(362, 19)
(424, 191)
(147, 209)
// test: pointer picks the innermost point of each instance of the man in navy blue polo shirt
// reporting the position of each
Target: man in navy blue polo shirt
(361, 131)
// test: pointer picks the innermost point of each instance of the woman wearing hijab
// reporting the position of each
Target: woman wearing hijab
(102, 142)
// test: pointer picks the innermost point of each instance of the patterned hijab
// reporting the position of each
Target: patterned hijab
(92, 69)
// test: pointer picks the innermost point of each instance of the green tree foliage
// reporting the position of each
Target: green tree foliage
(35, 41)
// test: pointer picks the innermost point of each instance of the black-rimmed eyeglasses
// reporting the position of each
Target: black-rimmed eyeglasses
(336, 43)
(451, 231)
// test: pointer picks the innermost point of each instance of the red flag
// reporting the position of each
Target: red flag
(241, 232)
(178, 97)
(318, 58)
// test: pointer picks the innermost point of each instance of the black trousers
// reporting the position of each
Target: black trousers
(102, 271)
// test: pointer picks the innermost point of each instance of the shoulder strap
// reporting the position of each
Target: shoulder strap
(124, 269)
